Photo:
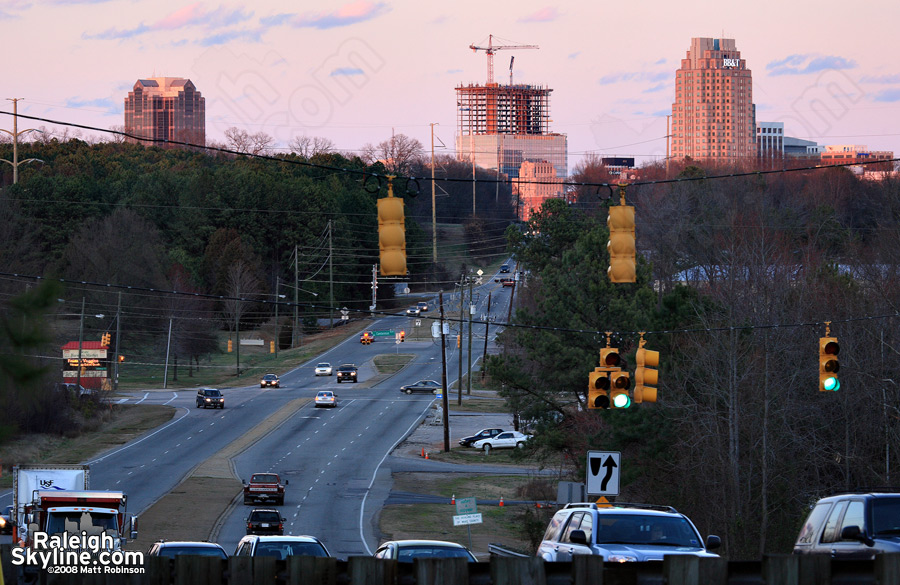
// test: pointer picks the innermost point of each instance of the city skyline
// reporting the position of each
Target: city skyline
(355, 72)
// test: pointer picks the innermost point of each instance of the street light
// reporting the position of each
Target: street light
(15, 136)
(80, 343)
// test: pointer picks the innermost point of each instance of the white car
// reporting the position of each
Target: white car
(505, 440)
(413, 311)
(326, 398)
(324, 369)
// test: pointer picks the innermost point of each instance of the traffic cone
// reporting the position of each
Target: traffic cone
(426, 455)
(423, 451)
(501, 501)
(453, 499)
(537, 504)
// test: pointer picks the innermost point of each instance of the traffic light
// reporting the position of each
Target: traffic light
(121, 358)
(621, 245)
(402, 336)
(619, 383)
(104, 339)
(392, 235)
(645, 378)
(598, 389)
(229, 346)
(828, 364)
(458, 341)
(609, 358)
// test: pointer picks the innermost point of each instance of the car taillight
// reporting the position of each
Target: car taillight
(249, 525)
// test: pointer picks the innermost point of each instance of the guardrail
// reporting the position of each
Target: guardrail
(499, 550)
(583, 569)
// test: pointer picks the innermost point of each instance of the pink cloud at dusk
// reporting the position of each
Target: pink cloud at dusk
(347, 14)
(547, 14)
(186, 16)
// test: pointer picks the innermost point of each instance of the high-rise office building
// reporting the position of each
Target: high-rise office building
(713, 116)
(162, 109)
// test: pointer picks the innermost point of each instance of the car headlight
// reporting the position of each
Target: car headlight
(621, 559)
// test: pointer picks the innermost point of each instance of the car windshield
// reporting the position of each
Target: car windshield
(74, 522)
(264, 478)
(206, 551)
(653, 530)
(323, 366)
(270, 376)
(283, 550)
(408, 553)
(265, 517)
(211, 393)
(885, 516)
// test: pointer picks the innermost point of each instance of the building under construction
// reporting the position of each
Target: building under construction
(502, 126)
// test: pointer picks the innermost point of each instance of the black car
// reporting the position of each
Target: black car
(347, 372)
(423, 386)
(852, 526)
(270, 380)
(482, 434)
(210, 398)
(504, 269)
(265, 521)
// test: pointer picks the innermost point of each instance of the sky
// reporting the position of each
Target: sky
(357, 71)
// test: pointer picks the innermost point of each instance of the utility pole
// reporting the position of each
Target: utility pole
(374, 287)
(277, 302)
(469, 376)
(295, 333)
(433, 199)
(444, 389)
(80, 343)
(459, 357)
(486, 325)
(116, 353)
(15, 136)
(237, 336)
(330, 280)
(168, 346)
(667, 145)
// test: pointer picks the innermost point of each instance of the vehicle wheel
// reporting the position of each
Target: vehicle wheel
(262, 385)
(247, 502)
(280, 502)
(338, 380)
(520, 445)
(487, 448)
(198, 405)
(435, 392)
(408, 391)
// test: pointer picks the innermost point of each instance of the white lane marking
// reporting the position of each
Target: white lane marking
(129, 445)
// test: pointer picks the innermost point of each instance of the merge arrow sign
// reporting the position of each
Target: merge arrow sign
(603, 469)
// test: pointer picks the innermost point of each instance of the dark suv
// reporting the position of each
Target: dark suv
(265, 521)
(210, 397)
(852, 526)
(622, 533)
(346, 372)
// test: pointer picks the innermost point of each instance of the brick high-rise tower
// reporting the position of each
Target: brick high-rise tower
(713, 116)
(166, 108)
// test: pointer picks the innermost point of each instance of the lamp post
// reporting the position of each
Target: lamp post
(277, 302)
(15, 136)
(80, 343)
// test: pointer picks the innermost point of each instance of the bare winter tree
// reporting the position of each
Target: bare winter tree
(399, 154)
(243, 286)
(310, 146)
(246, 143)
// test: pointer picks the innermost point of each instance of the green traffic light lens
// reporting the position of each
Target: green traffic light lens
(832, 384)
(621, 401)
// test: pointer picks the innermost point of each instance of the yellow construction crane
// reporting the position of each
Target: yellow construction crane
(490, 49)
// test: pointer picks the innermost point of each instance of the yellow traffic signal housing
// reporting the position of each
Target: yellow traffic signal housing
(598, 389)
(620, 382)
(609, 357)
(229, 346)
(645, 377)
(621, 246)
(392, 236)
(829, 364)
(105, 339)
(403, 336)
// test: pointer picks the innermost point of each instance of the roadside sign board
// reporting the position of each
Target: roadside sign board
(603, 470)
(466, 506)
(464, 519)
(383, 332)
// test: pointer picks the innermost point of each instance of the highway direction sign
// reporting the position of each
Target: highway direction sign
(603, 469)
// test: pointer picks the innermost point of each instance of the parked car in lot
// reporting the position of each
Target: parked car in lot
(347, 372)
(280, 547)
(265, 521)
(622, 533)
(482, 434)
(404, 551)
(422, 386)
(210, 398)
(324, 369)
(852, 526)
(270, 380)
(504, 440)
(423, 306)
(174, 548)
(326, 398)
